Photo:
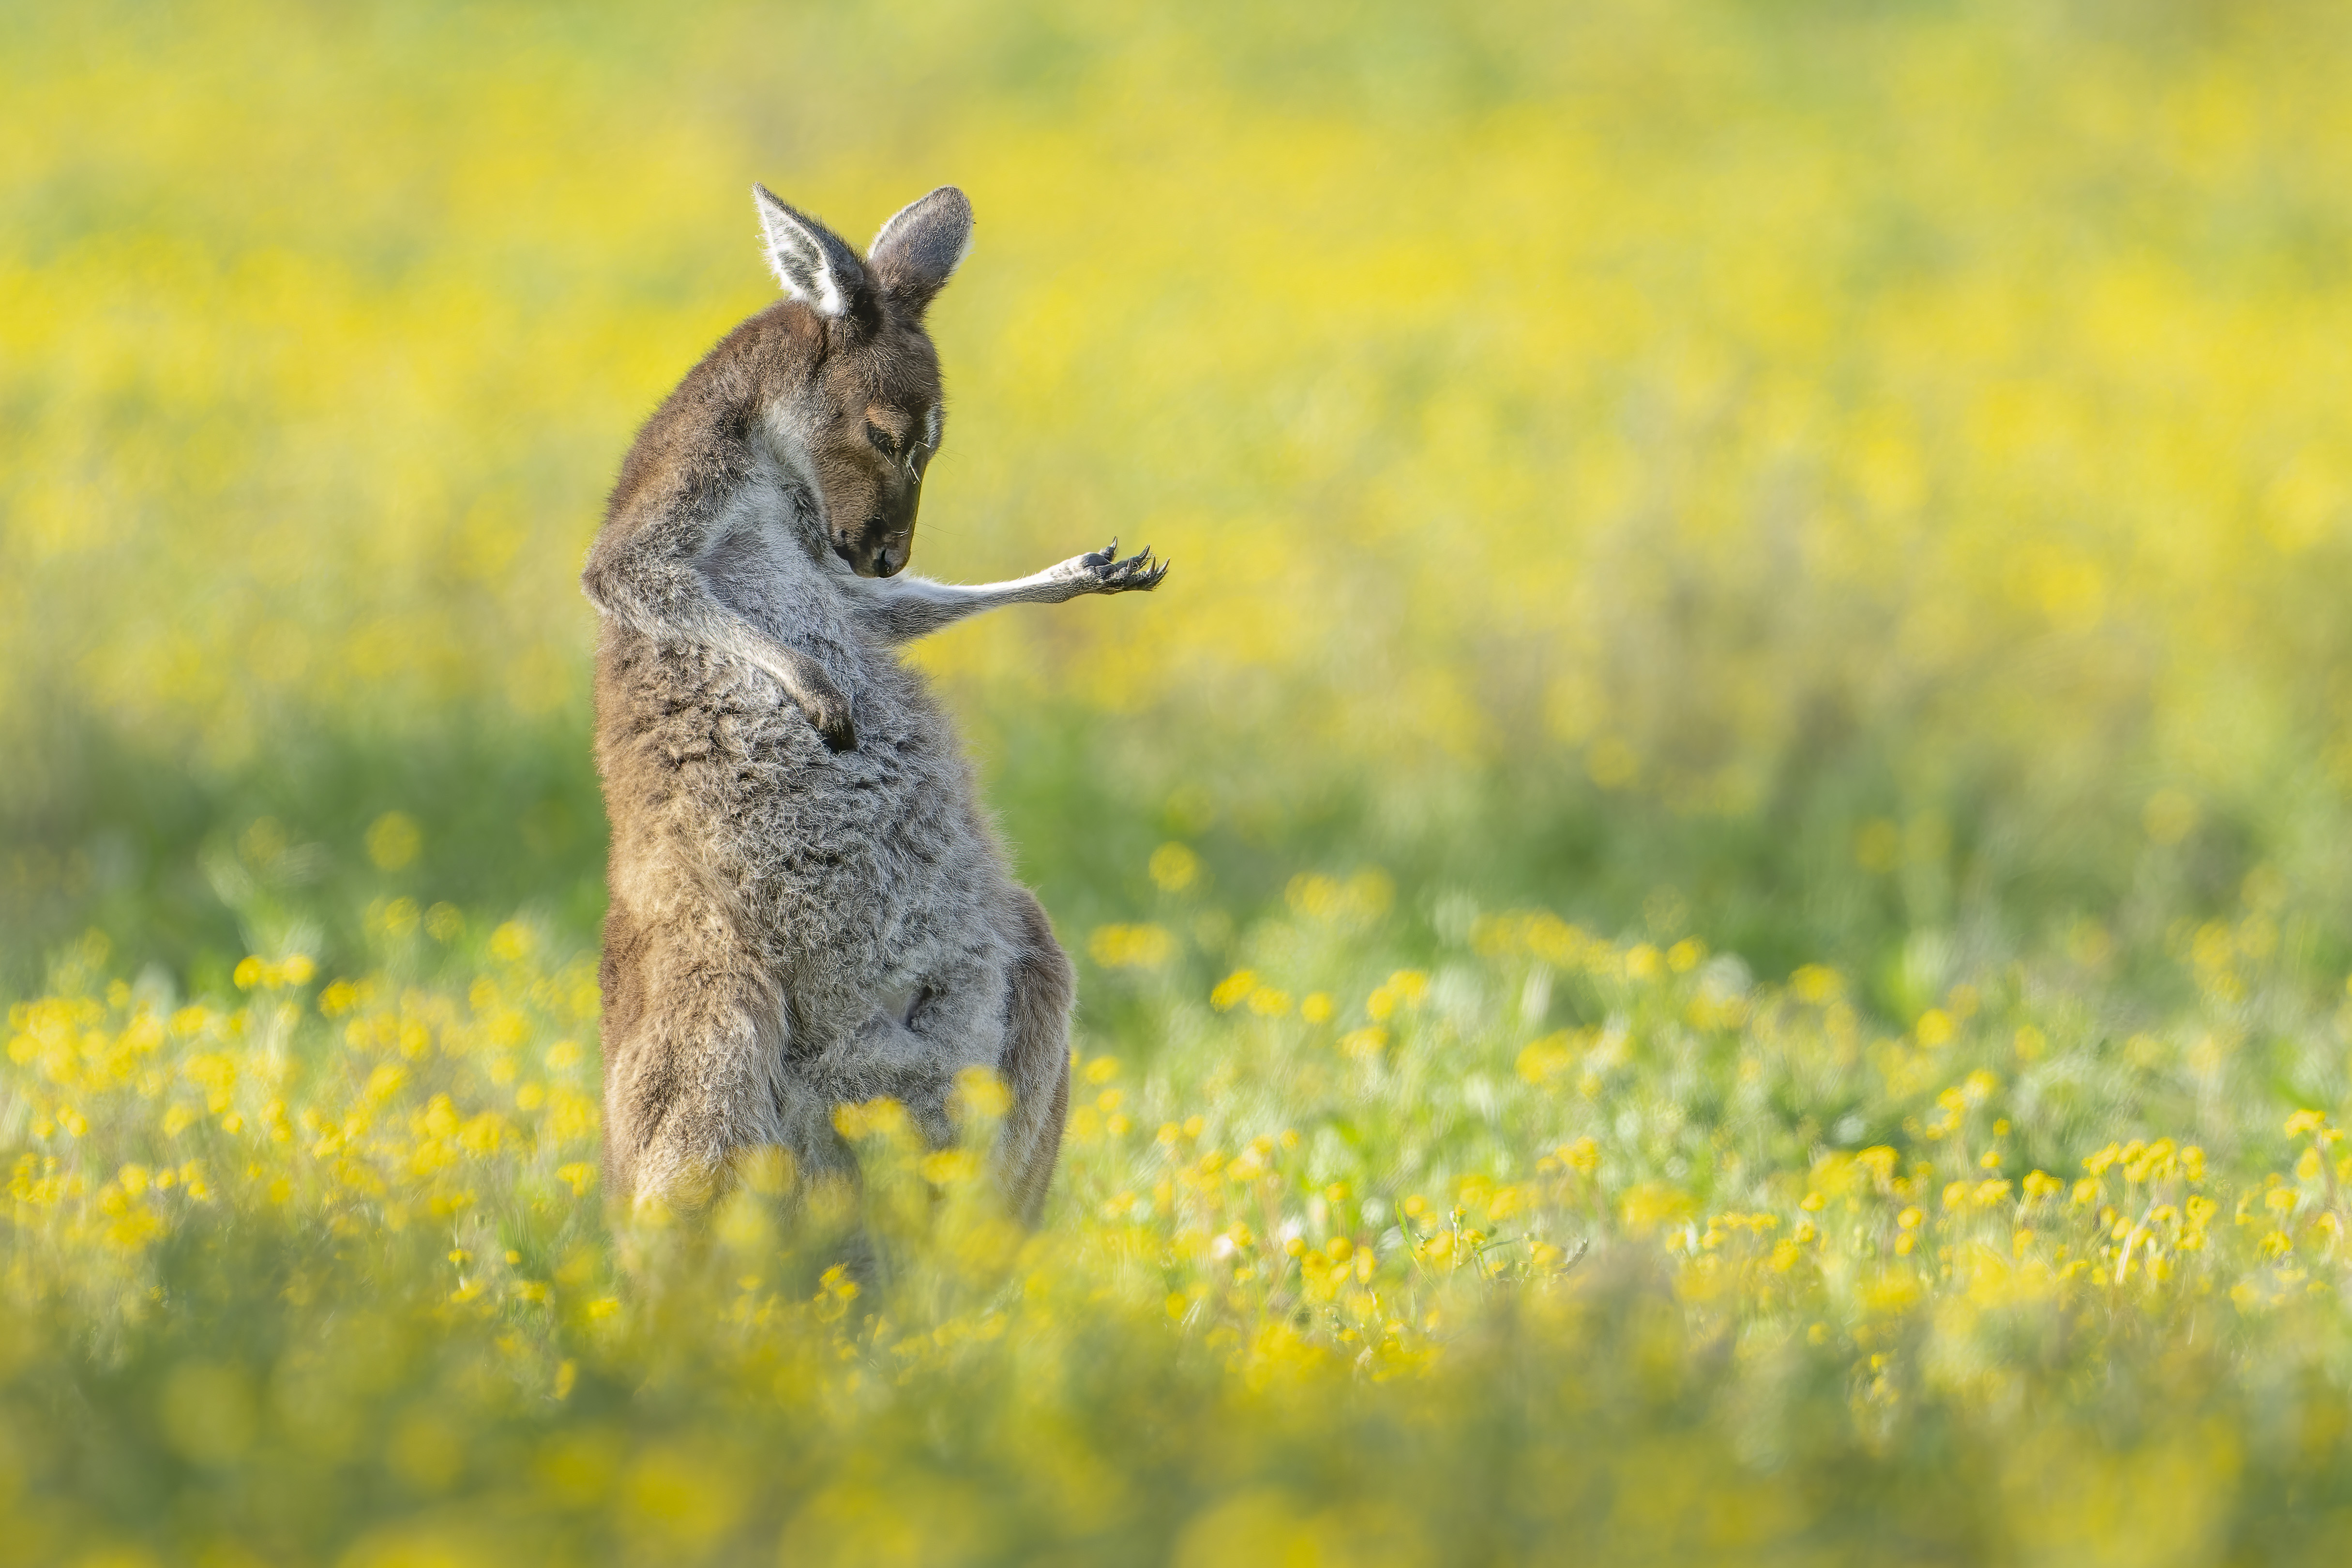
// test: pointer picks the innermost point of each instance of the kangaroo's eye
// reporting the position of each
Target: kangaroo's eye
(883, 441)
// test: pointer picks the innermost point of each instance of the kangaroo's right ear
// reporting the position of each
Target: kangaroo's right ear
(920, 248)
(809, 259)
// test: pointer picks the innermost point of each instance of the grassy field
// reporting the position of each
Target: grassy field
(1714, 907)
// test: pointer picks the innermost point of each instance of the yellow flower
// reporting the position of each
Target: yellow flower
(951, 1167)
(1268, 1003)
(1233, 989)
(1547, 1058)
(1174, 868)
(1131, 946)
(1817, 982)
(1650, 1205)
(393, 840)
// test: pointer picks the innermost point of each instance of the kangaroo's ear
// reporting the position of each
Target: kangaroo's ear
(811, 261)
(918, 248)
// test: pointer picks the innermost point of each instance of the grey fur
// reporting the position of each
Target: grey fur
(808, 905)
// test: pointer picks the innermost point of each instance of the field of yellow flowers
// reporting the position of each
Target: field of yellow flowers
(1557, 1248)
(1713, 907)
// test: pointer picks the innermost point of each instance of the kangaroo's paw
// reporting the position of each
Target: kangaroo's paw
(1102, 571)
(825, 706)
(830, 714)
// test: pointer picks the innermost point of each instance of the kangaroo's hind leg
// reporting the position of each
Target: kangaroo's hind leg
(694, 1055)
(1036, 1061)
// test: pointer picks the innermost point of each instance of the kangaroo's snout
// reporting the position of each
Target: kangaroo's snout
(879, 547)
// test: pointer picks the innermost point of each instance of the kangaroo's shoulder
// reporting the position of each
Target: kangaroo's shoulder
(704, 441)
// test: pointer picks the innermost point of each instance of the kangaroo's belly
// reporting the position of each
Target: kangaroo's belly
(860, 877)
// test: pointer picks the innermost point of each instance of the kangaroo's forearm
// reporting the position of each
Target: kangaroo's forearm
(910, 607)
(901, 609)
(650, 582)
(651, 585)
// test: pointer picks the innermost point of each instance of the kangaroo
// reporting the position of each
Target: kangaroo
(808, 905)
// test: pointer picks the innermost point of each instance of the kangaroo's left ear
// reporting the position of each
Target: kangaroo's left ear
(918, 248)
(813, 263)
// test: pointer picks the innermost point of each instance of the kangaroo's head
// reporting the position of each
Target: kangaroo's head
(870, 414)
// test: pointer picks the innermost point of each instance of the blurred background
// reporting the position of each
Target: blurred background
(1869, 482)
